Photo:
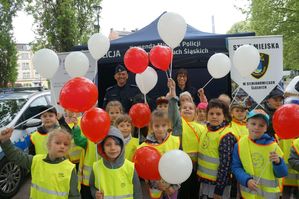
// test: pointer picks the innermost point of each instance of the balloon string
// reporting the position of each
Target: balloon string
(97, 158)
(33, 117)
(139, 135)
(207, 83)
(145, 99)
(235, 95)
(167, 75)
(170, 70)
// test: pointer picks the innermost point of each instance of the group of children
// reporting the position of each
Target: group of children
(231, 154)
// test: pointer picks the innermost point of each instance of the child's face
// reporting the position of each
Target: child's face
(188, 111)
(49, 119)
(239, 113)
(184, 99)
(114, 112)
(59, 146)
(163, 107)
(275, 102)
(125, 128)
(160, 128)
(201, 115)
(112, 149)
(256, 127)
(215, 116)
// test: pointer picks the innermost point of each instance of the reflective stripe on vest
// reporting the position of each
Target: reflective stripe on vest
(50, 181)
(40, 142)
(131, 147)
(208, 153)
(170, 143)
(259, 194)
(86, 162)
(293, 176)
(254, 158)
(115, 183)
(190, 138)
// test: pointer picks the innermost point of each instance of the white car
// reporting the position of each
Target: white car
(16, 106)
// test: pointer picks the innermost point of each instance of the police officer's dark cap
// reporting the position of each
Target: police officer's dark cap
(119, 68)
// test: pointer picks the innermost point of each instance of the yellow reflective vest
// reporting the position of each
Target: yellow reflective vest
(292, 179)
(40, 142)
(239, 129)
(75, 151)
(208, 152)
(86, 162)
(255, 161)
(190, 138)
(50, 181)
(115, 183)
(130, 148)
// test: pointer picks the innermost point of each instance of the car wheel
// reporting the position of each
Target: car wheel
(10, 178)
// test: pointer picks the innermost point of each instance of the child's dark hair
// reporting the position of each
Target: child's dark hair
(48, 109)
(114, 103)
(217, 103)
(123, 118)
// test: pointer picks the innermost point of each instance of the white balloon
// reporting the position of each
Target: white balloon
(46, 62)
(175, 166)
(246, 59)
(98, 45)
(76, 64)
(219, 65)
(146, 80)
(172, 28)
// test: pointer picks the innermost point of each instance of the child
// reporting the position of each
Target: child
(238, 113)
(215, 149)
(124, 125)
(114, 109)
(251, 166)
(184, 125)
(185, 97)
(53, 176)
(201, 113)
(162, 103)
(163, 141)
(49, 122)
(113, 176)
(294, 165)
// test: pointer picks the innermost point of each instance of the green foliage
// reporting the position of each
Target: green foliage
(277, 17)
(242, 26)
(8, 52)
(62, 24)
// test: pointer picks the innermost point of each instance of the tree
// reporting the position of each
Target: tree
(242, 26)
(8, 51)
(278, 17)
(62, 24)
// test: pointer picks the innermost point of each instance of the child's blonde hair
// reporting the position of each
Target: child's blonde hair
(122, 118)
(114, 103)
(186, 93)
(56, 132)
(160, 116)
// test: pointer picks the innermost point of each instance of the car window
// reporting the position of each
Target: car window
(33, 109)
(48, 98)
(9, 108)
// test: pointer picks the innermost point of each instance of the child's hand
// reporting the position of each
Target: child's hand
(251, 184)
(99, 195)
(216, 196)
(170, 190)
(6, 134)
(274, 157)
(74, 120)
(171, 86)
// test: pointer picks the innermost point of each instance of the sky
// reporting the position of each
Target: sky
(131, 14)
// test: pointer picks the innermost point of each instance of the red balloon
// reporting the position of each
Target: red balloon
(140, 114)
(95, 124)
(286, 121)
(160, 57)
(146, 161)
(78, 95)
(136, 60)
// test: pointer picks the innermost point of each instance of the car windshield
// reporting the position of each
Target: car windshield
(9, 109)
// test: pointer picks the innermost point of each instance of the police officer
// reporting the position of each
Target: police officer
(123, 92)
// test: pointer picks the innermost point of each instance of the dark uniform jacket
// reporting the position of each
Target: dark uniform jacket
(123, 94)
